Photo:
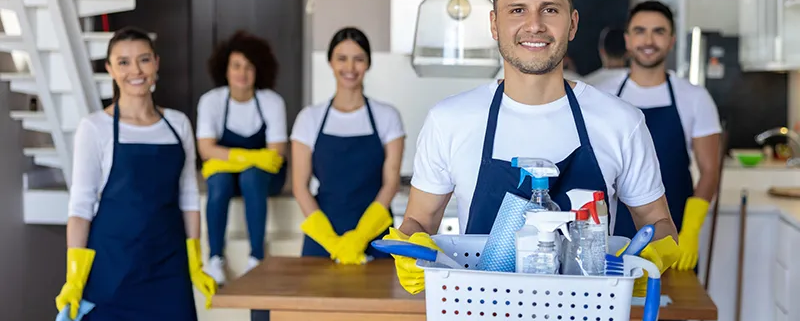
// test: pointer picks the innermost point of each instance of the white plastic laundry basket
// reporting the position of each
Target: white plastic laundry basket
(468, 294)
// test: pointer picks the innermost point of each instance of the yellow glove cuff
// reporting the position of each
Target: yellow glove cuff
(79, 263)
(667, 250)
(694, 214)
(194, 253)
(239, 155)
(319, 228)
(375, 220)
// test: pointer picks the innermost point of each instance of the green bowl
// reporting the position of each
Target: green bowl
(749, 159)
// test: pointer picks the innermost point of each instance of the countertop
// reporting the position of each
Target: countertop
(318, 289)
(759, 201)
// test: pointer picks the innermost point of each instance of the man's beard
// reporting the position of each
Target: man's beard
(535, 67)
(650, 65)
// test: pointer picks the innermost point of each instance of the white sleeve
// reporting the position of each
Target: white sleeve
(640, 181)
(304, 130)
(87, 171)
(391, 127)
(190, 194)
(431, 161)
(276, 121)
(706, 116)
(209, 117)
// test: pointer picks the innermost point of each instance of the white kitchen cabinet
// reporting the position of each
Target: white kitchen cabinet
(758, 301)
(786, 277)
(768, 38)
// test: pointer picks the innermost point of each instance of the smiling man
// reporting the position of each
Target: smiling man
(598, 141)
(681, 118)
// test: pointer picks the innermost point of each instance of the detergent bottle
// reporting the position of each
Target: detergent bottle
(585, 254)
(540, 171)
(545, 259)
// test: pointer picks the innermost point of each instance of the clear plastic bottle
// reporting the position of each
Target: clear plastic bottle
(543, 261)
(581, 257)
(527, 236)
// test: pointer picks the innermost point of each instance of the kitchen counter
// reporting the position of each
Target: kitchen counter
(318, 289)
(759, 201)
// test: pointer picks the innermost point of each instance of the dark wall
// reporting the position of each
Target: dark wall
(188, 30)
(280, 22)
(594, 16)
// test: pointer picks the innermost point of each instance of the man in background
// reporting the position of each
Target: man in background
(613, 55)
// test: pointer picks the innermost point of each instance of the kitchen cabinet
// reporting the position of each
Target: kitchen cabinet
(771, 279)
(767, 42)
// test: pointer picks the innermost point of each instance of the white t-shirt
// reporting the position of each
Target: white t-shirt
(602, 75)
(348, 124)
(451, 141)
(696, 108)
(94, 151)
(243, 118)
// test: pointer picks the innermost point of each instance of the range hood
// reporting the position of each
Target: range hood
(453, 39)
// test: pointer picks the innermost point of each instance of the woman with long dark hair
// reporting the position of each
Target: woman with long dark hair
(134, 222)
(353, 145)
(241, 136)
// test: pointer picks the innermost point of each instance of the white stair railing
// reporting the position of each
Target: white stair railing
(61, 74)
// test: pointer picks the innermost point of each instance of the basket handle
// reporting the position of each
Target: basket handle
(652, 300)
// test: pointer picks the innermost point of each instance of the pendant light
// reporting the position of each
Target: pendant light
(454, 39)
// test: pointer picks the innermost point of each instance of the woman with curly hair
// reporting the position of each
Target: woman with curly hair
(354, 146)
(241, 136)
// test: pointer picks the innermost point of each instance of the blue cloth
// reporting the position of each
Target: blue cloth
(500, 252)
(350, 174)
(666, 129)
(497, 177)
(254, 185)
(139, 236)
(83, 308)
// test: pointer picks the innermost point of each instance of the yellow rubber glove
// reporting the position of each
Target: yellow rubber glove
(213, 166)
(411, 277)
(689, 236)
(663, 253)
(266, 159)
(375, 220)
(200, 279)
(319, 228)
(79, 264)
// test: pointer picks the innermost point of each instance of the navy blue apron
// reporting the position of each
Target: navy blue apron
(496, 177)
(670, 142)
(141, 268)
(258, 140)
(350, 174)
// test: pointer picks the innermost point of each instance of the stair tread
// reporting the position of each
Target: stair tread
(41, 151)
(27, 75)
(18, 114)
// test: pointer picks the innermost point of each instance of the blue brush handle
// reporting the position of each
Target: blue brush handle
(652, 301)
(640, 240)
(405, 249)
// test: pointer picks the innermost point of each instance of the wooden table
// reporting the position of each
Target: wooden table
(317, 289)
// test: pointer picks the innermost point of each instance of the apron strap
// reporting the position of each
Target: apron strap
(369, 113)
(227, 105)
(491, 124)
(577, 115)
(671, 93)
(116, 127)
(622, 86)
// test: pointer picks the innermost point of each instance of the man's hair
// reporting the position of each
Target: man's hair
(571, 6)
(612, 40)
(652, 6)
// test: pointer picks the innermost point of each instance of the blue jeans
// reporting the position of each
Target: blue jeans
(253, 185)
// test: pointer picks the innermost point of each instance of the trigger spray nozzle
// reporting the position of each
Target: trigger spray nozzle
(540, 170)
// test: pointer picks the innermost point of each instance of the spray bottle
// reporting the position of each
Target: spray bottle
(586, 253)
(545, 259)
(540, 171)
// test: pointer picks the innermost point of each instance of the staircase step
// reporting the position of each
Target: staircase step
(37, 121)
(96, 43)
(86, 8)
(26, 83)
(44, 156)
